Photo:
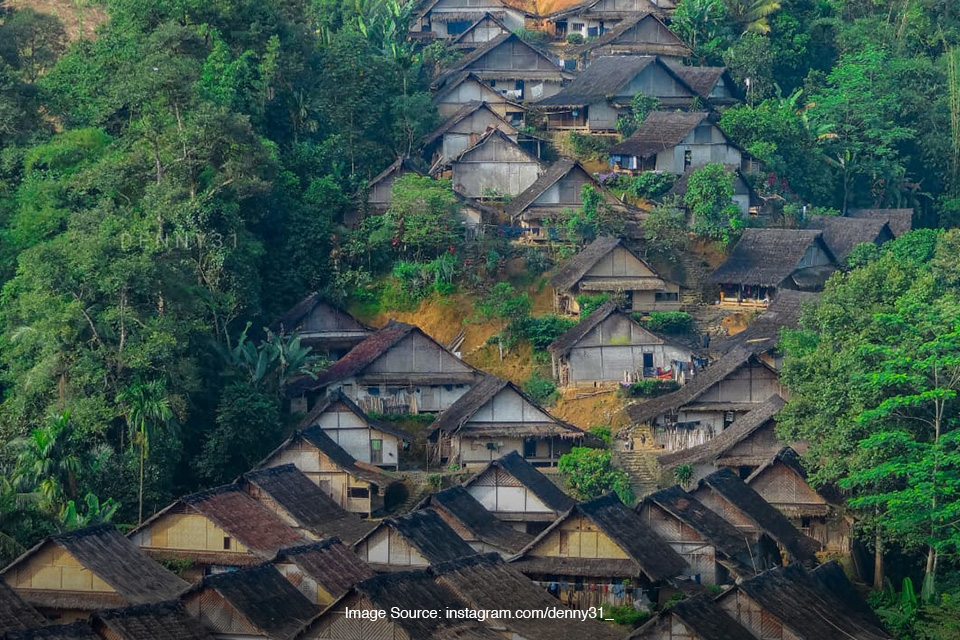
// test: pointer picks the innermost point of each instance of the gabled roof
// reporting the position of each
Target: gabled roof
(649, 554)
(458, 79)
(339, 396)
(682, 184)
(490, 45)
(474, 517)
(554, 173)
(831, 577)
(460, 40)
(403, 164)
(72, 631)
(702, 616)
(290, 321)
(730, 543)
(585, 6)
(660, 130)
(331, 564)
(462, 114)
(765, 516)
(609, 37)
(160, 621)
(900, 220)
(568, 340)
(516, 6)
(703, 80)
(571, 271)
(263, 597)
(495, 134)
(455, 420)
(15, 613)
(791, 460)
(426, 532)
(601, 80)
(785, 456)
(742, 428)
(116, 560)
(764, 333)
(767, 257)
(842, 235)
(528, 476)
(307, 503)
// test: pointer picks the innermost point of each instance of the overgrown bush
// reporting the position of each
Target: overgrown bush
(591, 474)
(603, 432)
(541, 330)
(588, 304)
(672, 322)
(540, 389)
(588, 146)
(651, 184)
(626, 615)
(575, 38)
(536, 260)
(649, 388)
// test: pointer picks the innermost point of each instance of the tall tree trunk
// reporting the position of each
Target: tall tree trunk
(878, 562)
(143, 454)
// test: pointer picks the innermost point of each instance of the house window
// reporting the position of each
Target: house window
(376, 451)
(702, 134)
(576, 27)
(666, 296)
(373, 391)
(687, 159)
(805, 522)
(492, 83)
(456, 27)
(226, 543)
(593, 32)
(358, 492)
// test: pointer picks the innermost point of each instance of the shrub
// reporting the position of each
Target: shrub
(540, 389)
(588, 146)
(673, 322)
(542, 330)
(626, 615)
(683, 474)
(651, 184)
(603, 432)
(574, 38)
(536, 260)
(591, 474)
(588, 304)
(649, 388)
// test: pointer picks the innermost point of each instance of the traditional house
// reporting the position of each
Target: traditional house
(609, 346)
(675, 142)
(713, 548)
(641, 34)
(494, 167)
(69, 575)
(15, 614)
(603, 92)
(727, 495)
(713, 84)
(254, 602)
(763, 334)
(462, 130)
(479, 33)
(789, 602)
(696, 618)
(215, 530)
(71, 631)
(380, 189)
(303, 505)
(474, 523)
(322, 571)
(447, 19)
(842, 235)
(900, 221)
(593, 18)
(782, 481)
(495, 418)
(765, 261)
(595, 548)
(517, 493)
(322, 327)
(513, 67)
(160, 621)
(355, 486)
(705, 406)
(744, 195)
(398, 369)
(417, 539)
(607, 265)
(466, 87)
(367, 440)
(557, 192)
(743, 446)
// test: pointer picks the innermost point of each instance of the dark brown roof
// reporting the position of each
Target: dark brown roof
(842, 235)
(601, 80)
(427, 532)
(319, 438)
(528, 476)
(402, 164)
(160, 621)
(264, 598)
(554, 172)
(586, 5)
(609, 37)
(703, 80)
(900, 220)
(474, 517)
(73, 631)
(307, 503)
(335, 567)
(486, 16)
(703, 617)
(649, 554)
(339, 396)
(765, 516)
(455, 420)
(562, 345)
(291, 320)
(490, 45)
(496, 133)
(462, 113)
(831, 577)
(116, 560)
(730, 437)
(767, 257)
(571, 271)
(764, 333)
(661, 130)
(730, 543)
(14, 612)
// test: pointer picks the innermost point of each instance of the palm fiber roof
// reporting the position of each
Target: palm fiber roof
(763, 333)
(159, 621)
(429, 534)
(531, 478)
(767, 257)
(702, 617)
(604, 78)
(842, 235)
(900, 220)
(475, 518)
(72, 631)
(16, 614)
(331, 564)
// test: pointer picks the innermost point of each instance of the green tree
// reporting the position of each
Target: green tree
(664, 230)
(702, 25)
(710, 198)
(751, 63)
(640, 107)
(422, 219)
(751, 16)
(47, 462)
(591, 474)
(147, 410)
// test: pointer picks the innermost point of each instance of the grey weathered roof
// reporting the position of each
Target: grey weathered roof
(730, 543)
(72, 631)
(702, 616)
(331, 564)
(339, 396)
(767, 257)
(649, 554)
(703, 80)
(160, 621)
(900, 220)
(548, 178)
(264, 598)
(661, 130)
(490, 45)
(307, 503)
(602, 79)
(609, 37)
(764, 333)
(427, 532)
(403, 164)
(14, 612)
(495, 134)
(461, 114)
(730, 437)
(475, 518)
(586, 5)
(291, 319)
(528, 476)
(765, 516)
(842, 235)
(571, 271)
(486, 16)
(569, 339)
(319, 438)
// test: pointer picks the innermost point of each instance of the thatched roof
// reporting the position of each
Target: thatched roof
(530, 478)
(308, 505)
(649, 554)
(703, 618)
(742, 428)
(574, 269)
(263, 597)
(495, 134)
(765, 517)
(764, 333)
(461, 40)
(554, 173)
(830, 577)
(842, 235)
(317, 437)
(603, 79)
(16, 614)
(339, 396)
(463, 63)
(291, 320)
(457, 79)
(463, 113)
(401, 165)
(586, 7)
(767, 257)
(160, 621)
(72, 631)
(609, 38)
(703, 80)
(331, 564)
(796, 508)
(457, 503)
(426, 532)
(899, 220)
(661, 130)
(569, 339)
(113, 558)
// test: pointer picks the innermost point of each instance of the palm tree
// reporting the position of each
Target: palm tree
(751, 15)
(147, 408)
(47, 464)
